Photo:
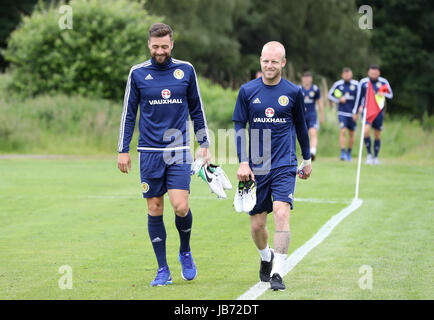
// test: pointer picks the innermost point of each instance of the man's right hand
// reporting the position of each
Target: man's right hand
(244, 172)
(124, 162)
(357, 114)
(342, 99)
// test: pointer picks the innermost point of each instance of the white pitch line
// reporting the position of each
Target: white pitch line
(321, 200)
(259, 288)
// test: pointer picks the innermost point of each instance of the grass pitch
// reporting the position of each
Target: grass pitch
(82, 212)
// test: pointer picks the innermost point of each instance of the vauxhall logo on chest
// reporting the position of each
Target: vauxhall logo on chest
(165, 94)
(269, 117)
(270, 113)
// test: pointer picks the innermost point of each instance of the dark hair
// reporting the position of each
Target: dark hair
(346, 69)
(374, 66)
(160, 30)
(307, 74)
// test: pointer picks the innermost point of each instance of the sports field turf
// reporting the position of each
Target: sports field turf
(82, 212)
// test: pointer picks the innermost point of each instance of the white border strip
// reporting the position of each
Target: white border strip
(259, 288)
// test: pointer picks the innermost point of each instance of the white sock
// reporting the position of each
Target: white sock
(265, 254)
(313, 150)
(279, 258)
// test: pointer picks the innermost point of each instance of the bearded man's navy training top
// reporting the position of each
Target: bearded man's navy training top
(167, 94)
(363, 88)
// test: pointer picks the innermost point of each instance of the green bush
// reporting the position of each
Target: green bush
(59, 124)
(93, 58)
(219, 104)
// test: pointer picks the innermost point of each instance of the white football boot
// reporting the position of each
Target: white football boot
(214, 184)
(196, 165)
(221, 176)
(369, 159)
(249, 197)
(238, 199)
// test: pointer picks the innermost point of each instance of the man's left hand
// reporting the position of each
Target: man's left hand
(305, 168)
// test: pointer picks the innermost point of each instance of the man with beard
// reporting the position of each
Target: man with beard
(168, 92)
(381, 88)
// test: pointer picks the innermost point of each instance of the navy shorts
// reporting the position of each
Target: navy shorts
(347, 122)
(160, 171)
(277, 185)
(311, 120)
(378, 122)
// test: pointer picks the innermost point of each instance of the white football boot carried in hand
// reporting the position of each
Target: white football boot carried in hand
(245, 197)
(196, 165)
(212, 179)
(238, 199)
(221, 176)
(249, 197)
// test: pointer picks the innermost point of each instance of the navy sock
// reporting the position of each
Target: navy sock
(349, 151)
(368, 144)
(377, 144)
(184, 228)
(157, 233)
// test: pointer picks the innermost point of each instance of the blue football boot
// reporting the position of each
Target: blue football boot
(163, 277)
(343, 155)
(189, 270)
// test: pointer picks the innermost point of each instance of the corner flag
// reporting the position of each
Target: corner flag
(374, 102)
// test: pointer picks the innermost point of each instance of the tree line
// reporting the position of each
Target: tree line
(223, 39)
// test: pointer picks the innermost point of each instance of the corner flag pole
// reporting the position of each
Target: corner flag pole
(360, 154)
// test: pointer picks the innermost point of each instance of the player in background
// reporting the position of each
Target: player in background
(273, 107)
(168, 93)
(311, 95)
(343, 92)
(377, 81)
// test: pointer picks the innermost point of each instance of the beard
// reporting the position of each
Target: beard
(161, 59)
